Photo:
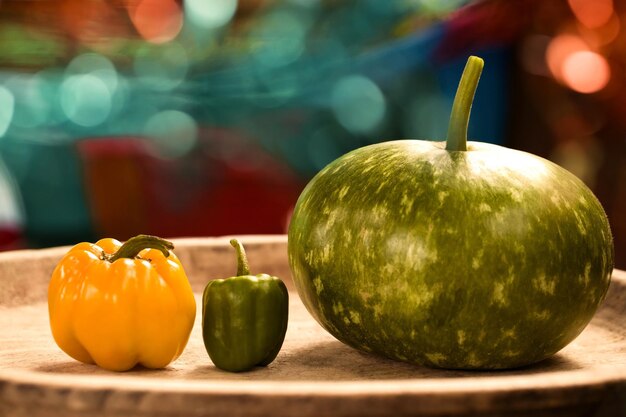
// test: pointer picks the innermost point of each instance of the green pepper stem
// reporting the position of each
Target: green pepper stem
(134, 245)
(462, 106)
(242, 260)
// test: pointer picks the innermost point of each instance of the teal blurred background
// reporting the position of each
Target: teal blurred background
(203, 118)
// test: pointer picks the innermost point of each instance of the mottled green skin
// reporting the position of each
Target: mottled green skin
(485, 259)
(244, 320)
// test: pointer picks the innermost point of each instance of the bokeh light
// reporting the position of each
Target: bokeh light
(94, 64)
(561, 47)
(120, 96)
(11, 210)
(586, 72)
(283, 36)
(86, 94)
(602, 35)
(358, 103)
(48, 82)
(85, 99)
(174, 133)
(162, 67)
(157, 21)
(7, 102)
(31, 109)
(210, 14)
(88, 62)
(592, 13)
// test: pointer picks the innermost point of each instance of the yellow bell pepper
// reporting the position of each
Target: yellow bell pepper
(119, 306)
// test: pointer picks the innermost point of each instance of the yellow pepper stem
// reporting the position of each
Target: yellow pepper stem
(134, 245)
(242, 259)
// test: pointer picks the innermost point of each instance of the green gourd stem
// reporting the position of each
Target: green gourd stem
(462, 106)
(242, 259)
(134, 245)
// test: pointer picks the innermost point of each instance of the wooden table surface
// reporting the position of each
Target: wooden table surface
(314, 374)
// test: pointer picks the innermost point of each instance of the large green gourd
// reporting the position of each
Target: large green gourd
(450, 254)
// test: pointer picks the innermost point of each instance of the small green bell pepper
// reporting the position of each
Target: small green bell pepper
(244, 318)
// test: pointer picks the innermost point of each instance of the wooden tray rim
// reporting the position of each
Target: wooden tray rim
(484, 383)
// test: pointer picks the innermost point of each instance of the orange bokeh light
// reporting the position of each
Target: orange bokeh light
(586, 72)
(592, 13)
(602, 35)
(157, 21)
(559, 49)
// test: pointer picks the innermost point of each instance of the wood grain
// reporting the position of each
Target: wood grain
(314, 375)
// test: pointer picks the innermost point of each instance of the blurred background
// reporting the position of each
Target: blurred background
(208, 117)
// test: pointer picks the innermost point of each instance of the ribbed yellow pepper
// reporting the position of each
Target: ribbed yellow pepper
(119, 306)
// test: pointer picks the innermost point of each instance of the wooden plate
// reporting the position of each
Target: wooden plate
(314, 375)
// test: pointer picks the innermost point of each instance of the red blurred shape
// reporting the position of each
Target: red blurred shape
(227, 186)
(484, 24)
(11, 238)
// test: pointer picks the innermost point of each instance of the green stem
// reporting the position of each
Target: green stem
(242, 259)
(462, 106)
(134, 245)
